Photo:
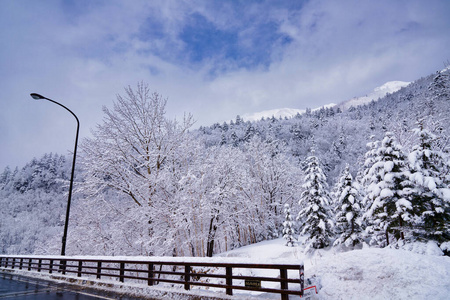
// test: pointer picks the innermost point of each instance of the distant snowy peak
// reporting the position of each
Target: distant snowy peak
(279, 112)
(379, 92)
(445, 70)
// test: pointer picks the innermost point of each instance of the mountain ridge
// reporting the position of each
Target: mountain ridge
(377, 93)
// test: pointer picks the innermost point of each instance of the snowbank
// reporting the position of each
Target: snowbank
(381, 274)
(369, 273)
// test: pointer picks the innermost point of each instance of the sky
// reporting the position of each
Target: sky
(213, 59)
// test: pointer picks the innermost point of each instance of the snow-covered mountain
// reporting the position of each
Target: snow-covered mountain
(379, 92)
(279, 112)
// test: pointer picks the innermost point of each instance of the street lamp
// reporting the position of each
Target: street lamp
(40, 97)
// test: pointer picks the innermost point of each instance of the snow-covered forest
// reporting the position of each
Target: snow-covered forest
(148, 185)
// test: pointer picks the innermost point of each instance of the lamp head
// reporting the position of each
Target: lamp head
(37, 96)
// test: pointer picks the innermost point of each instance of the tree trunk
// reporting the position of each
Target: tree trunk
(402, 236)
(210, 248)
(211, 236)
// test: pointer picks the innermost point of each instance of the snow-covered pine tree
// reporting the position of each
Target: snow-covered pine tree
(431, 194)
(288, 229)
(315, 216)
(370, 159)
(439, 89)
(391, 191)
(348, 210)
(440, 86)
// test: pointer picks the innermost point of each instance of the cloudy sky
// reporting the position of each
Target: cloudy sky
(214, 59)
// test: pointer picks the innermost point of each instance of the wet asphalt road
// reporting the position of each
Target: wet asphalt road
(18, 287)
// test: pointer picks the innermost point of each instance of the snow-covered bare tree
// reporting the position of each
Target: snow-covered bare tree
(132, 148)
(132, 145)
(272, 181)
(221, 206)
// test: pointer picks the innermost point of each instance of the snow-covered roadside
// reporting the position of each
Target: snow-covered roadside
(381, 274)
(368, 273)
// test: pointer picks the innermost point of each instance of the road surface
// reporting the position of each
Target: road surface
(18, 287)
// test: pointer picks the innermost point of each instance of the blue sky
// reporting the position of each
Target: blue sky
(214, 59)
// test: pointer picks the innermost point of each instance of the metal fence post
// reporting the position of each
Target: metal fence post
(283, 283)
(187, 277)
(80, 268)
(229, 280)
(150, 274)
(99, 269)
(62, 267)
(302, 279)
(122, 272)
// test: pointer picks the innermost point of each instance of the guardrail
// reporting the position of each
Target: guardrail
(223, 275)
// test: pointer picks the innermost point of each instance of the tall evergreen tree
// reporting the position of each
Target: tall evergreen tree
(432, 195)
(288, 226)
(315, 201)
(367, 179)
(348, 210)
(390, 190)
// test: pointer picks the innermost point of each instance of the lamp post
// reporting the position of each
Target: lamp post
(40, 97)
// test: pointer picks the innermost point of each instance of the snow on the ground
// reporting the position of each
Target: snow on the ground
(368, 273)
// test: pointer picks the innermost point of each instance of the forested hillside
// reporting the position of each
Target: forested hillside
(33, 200)
(148, 185)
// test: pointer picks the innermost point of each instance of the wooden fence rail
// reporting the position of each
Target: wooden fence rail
(226, 276)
